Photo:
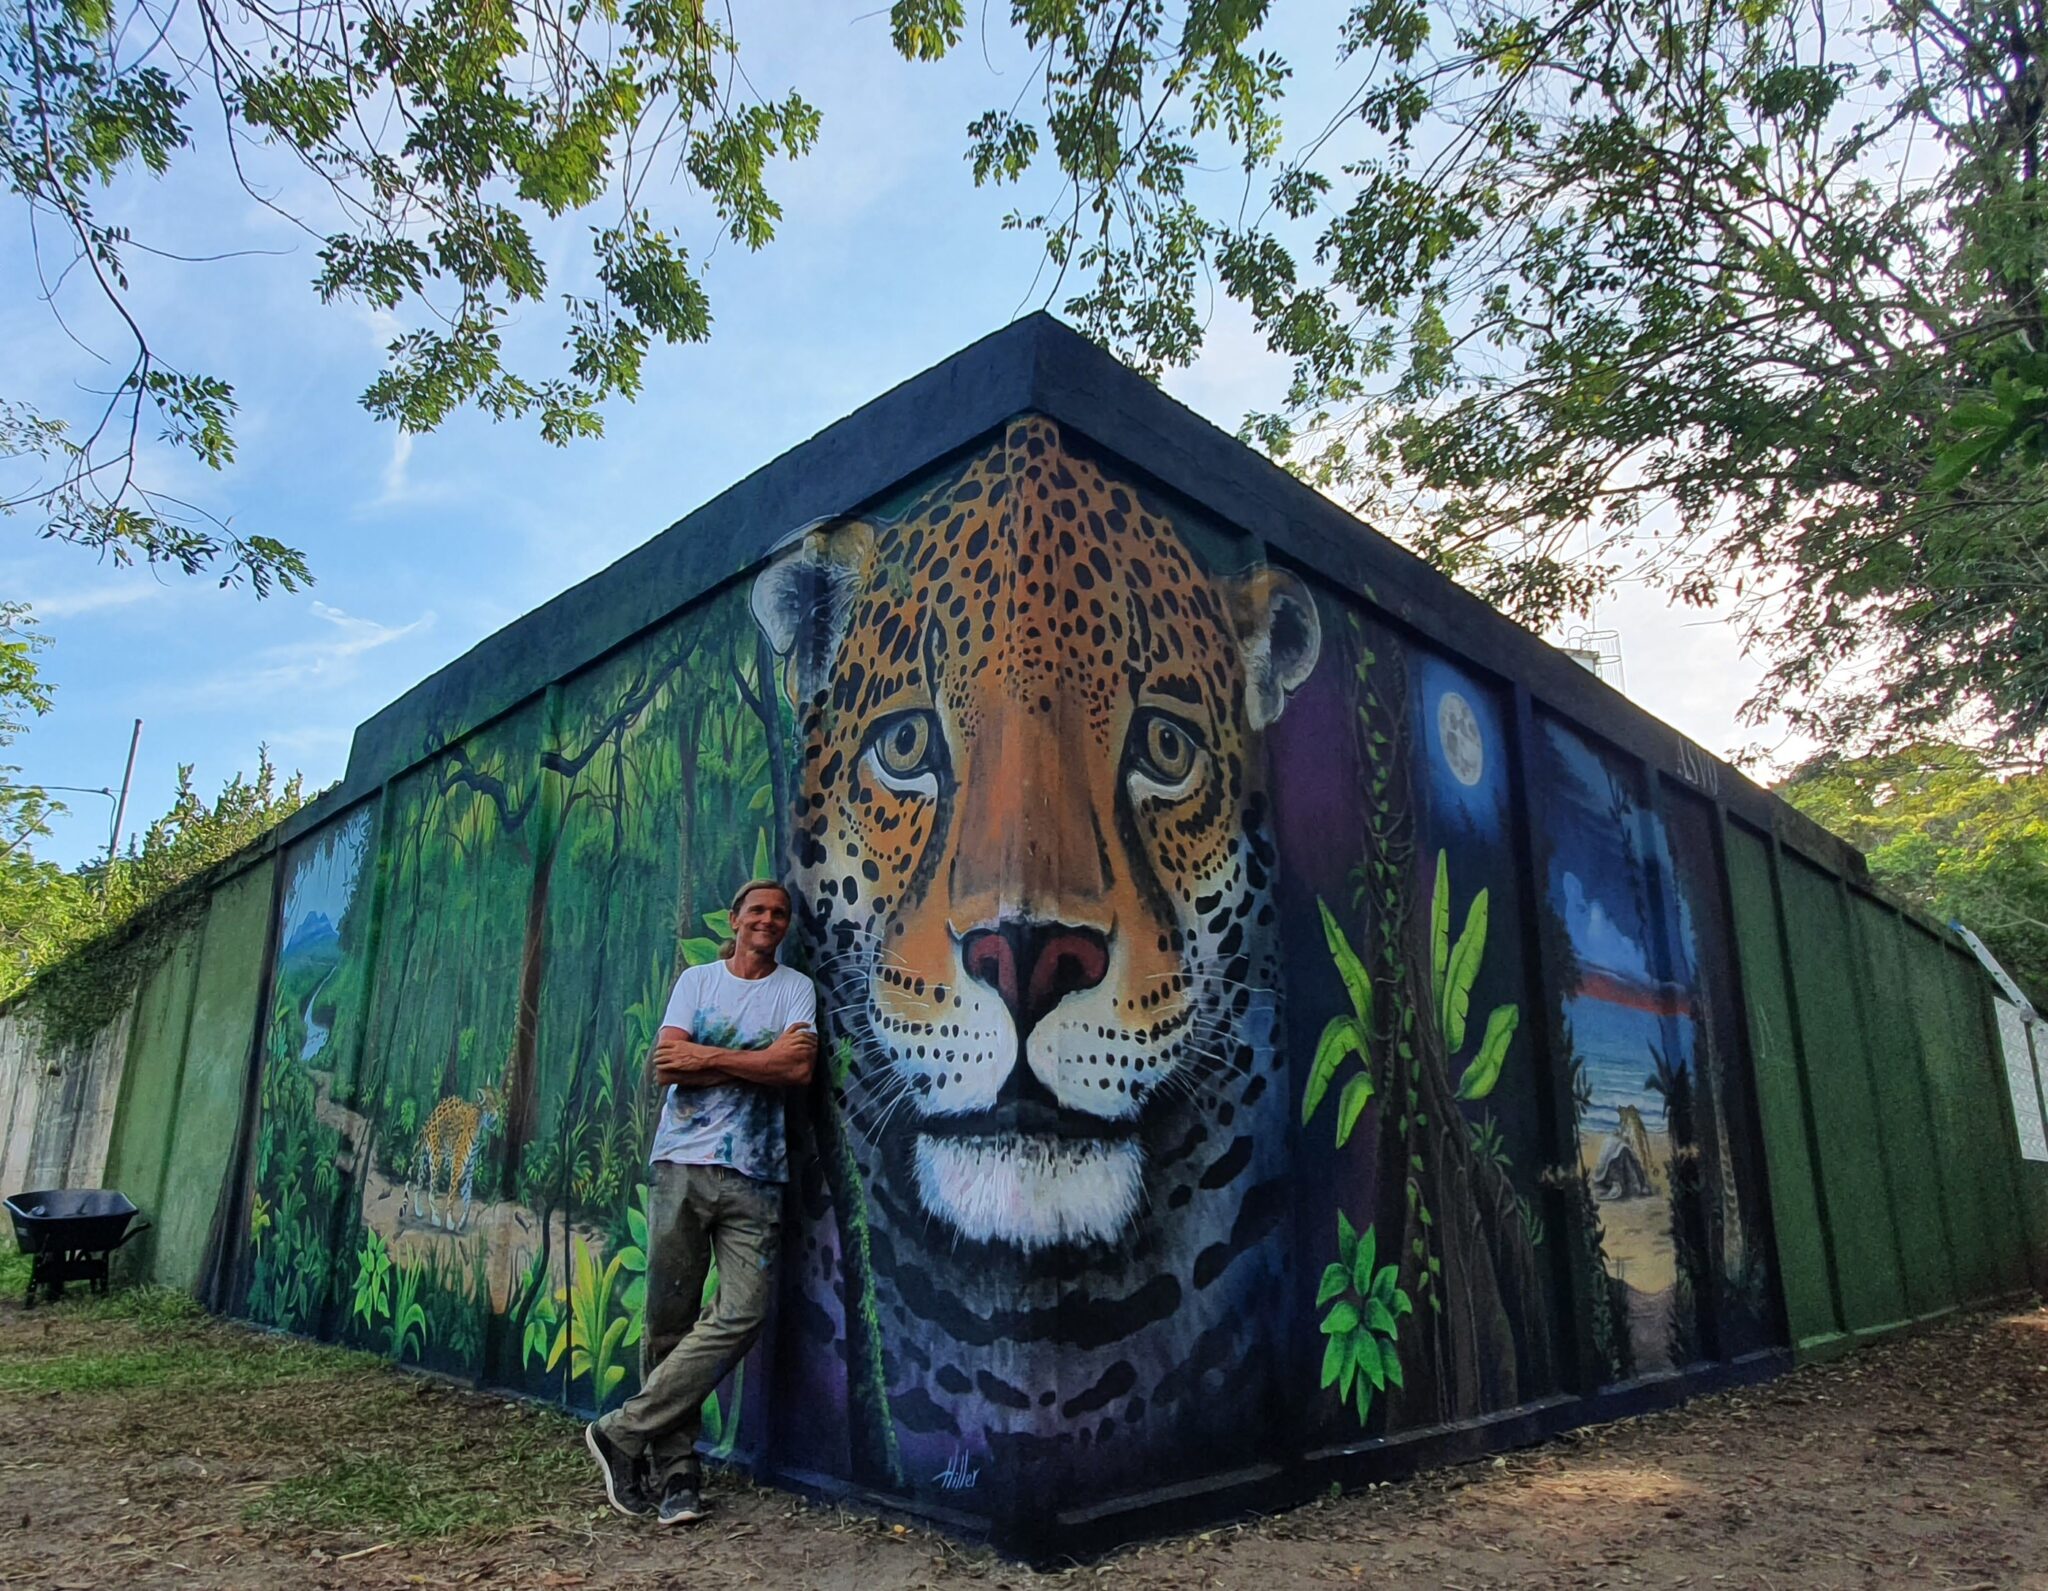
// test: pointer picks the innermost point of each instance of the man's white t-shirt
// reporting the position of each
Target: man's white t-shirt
(732, 1123)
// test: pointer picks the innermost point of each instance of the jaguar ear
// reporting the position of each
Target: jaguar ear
(802, 601)
(1279, 635)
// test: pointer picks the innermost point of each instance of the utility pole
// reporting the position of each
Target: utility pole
(121, 805)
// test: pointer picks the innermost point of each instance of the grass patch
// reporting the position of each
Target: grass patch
(172, 1344)
(147, 1306)
(528, 1470)
(14, 1269)
(197, 1365)
(375, 1451)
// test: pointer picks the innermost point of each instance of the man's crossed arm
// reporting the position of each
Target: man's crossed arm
(785, 1063)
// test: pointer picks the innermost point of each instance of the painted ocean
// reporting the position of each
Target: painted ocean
(1617, 1045)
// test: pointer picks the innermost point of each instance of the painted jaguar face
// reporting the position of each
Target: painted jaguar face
(1030, 838)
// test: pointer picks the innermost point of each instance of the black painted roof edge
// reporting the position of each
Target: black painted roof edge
(1035, 364)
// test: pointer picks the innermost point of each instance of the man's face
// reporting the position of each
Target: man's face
(762, 920)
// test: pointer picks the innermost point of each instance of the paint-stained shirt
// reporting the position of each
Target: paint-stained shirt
(732, 1123)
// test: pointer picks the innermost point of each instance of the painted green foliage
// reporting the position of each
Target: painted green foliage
(296, 1182)
(595, 1318)
(1407, 1060)
(1453, 969)
(1344, 1037)
(297, 1259)
(1362, 1329)
(1366, 1305)
(542, 882)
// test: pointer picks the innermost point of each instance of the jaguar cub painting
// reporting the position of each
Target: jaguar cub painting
(1033, 857)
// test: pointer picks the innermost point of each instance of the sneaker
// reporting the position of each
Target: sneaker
(681, 1504)
(621, 1472)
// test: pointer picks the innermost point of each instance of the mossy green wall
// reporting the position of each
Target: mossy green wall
(1897, 1188)
(1993, 1160)
(140, 1146)
(199, 1137)
(1833, 1005)
(1914, 1164)
(1803, 1257)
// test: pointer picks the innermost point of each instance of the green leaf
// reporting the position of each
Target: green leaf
(1340, 1038)
(1464, 967)
(1380, 1318)
(1391, 1365)
(1479, 1078)
(1334, 1360)
(1368, 1351)
(924, 30)
(1335, 1279)
(1357, 982)
(1343, 1317)
(1439, 930)
(1357, 1095)
(1952, 464)
(1363, 1261)
(1347, 1240)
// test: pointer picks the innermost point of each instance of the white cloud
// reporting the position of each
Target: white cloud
(325, 740)
(110, 593)
(317, 664)
(396, 487)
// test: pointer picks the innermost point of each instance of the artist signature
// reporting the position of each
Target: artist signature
(956, 1476)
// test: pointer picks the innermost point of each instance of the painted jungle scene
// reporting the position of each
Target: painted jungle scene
(1430, 1284)
(449, 1165)
(1453, 1103)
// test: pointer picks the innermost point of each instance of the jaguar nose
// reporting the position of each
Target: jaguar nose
(1034, 966)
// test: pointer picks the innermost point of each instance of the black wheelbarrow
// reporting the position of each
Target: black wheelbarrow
(68, 1234)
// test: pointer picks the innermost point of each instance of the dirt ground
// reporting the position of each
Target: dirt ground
(162, 1451)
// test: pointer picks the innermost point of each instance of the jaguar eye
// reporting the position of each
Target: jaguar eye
(1164, 749)
(906, 747)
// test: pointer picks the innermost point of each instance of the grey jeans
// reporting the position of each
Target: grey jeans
(696, 1213)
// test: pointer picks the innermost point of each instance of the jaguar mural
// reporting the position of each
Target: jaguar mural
(1034, 862)
(1215, 1073)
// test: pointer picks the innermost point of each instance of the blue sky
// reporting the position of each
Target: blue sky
(888, 260)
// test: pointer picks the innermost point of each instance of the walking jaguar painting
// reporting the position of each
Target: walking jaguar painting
(1184, 1106)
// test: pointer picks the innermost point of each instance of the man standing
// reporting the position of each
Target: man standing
(737, 1032)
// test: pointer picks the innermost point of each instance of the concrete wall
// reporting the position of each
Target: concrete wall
(56, 1103)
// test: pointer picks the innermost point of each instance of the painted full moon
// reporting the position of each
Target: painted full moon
(1457, 730)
